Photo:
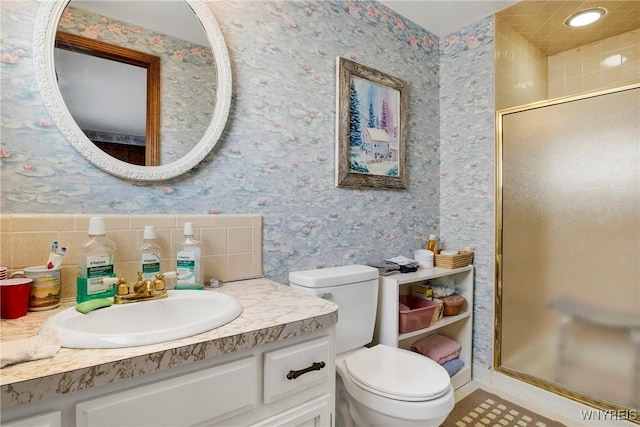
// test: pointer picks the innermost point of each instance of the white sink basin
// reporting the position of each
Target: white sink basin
(182, 314)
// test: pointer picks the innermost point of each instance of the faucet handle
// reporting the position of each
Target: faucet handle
(158, 283)
(122, 287)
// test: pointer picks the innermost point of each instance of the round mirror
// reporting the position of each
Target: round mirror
(197, 114)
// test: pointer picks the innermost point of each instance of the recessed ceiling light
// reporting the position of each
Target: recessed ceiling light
(585, 17)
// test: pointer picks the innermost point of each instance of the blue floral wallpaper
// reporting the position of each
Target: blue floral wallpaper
(276, 156)
(467, 162)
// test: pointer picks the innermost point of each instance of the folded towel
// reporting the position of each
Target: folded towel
(23, 350)
(449, 357)
(437, 347)
(407, 265)
(385, 268)
(453, 366)
(401, 260)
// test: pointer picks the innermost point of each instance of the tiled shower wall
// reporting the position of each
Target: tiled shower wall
(521, 68)
(608, 62)
(231, 244)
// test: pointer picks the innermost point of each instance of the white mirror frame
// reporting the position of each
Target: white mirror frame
(43, 54)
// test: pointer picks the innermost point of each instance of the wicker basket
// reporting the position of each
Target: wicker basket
(463, 259)
(439, 311)
(453, 304)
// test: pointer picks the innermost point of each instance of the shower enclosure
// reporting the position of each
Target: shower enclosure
(568, 246)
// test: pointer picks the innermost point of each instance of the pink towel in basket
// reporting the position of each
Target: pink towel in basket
(437, 347)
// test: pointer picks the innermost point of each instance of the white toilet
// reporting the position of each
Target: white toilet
(381, 385)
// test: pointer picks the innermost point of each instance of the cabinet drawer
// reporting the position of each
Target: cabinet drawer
(279, 364)
(208, 395)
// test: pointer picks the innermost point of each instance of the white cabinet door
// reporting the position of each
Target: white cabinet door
(314, 413)
(205, 396)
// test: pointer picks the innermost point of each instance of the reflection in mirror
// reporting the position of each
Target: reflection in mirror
(121, 117)
(195, 85)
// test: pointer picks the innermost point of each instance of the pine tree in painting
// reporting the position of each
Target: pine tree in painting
(385, 110)
(372, 116)
(355, 134)
(387, 119)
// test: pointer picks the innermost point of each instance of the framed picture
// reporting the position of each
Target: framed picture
(370, 127)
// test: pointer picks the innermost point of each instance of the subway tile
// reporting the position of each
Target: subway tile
(630, 72)
(573, 69)
(215, 241)
(6, 250)
(235, 220)
(591, 64)
(111, 222)
(216, 266)
(44, 222)
(611, 76)
(72, 240)
(6, 223)
(31, 248)
(240, 239)
(198, 221)
(592, 81)
(572, 85)
(241, 266)
(126, 244)
(158, 221)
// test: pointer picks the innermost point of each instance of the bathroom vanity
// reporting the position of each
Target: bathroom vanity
(273, 365)
(458, 327)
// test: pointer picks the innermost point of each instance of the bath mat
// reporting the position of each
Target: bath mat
(481, 408)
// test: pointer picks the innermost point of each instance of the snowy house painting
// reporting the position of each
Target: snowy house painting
(372, 107)
(378, 145)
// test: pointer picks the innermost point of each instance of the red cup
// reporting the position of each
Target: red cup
(14, 297)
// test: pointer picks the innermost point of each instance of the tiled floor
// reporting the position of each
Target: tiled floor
(552, 406)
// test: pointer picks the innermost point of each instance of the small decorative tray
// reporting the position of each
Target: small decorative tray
(462, 259)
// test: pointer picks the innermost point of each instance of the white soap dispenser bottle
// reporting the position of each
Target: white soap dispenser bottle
(188, 262)
(149, 254)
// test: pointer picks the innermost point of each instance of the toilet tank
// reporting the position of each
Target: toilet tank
(354, 288)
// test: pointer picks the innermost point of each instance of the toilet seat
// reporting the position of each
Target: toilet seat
(397, 374)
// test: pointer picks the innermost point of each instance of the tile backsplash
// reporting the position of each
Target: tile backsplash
(231, 244)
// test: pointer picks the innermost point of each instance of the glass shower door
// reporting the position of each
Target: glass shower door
(569, 247)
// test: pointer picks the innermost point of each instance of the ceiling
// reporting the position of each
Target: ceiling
(441, 17)
(540, 21)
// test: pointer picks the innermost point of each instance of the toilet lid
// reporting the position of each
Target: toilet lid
(398, 374)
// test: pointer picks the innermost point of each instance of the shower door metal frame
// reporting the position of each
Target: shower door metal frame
(497, 355)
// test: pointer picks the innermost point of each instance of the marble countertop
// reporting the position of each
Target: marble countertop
(271, 312)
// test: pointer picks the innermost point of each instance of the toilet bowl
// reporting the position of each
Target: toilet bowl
(386, 386)
(380, 385)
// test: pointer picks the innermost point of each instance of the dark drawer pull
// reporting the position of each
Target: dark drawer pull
(316, 366)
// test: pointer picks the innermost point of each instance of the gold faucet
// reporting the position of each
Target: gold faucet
(142, 290)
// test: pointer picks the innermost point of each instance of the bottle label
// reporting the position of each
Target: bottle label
(98, 266)
(150, 263)
(186, 267)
